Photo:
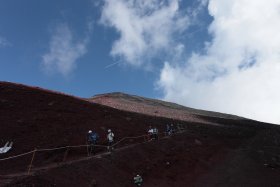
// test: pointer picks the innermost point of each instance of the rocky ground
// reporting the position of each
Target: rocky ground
(212, 150)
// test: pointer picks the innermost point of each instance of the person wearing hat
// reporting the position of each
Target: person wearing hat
(92, 139)
(138, 180)
(110, 138)
(150, 133)
(168, 130)
(155, 133)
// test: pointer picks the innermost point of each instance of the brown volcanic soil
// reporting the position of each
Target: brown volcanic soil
(233, 152)
(156, 107)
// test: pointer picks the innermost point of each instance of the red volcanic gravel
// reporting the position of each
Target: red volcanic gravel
(143, 108)
(211, 151)
(156, 108)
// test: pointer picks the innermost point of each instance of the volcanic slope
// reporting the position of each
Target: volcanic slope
(155, 107)
(214, 151)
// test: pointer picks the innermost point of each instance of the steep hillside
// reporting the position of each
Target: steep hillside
(155, 107)
(37, 118)
(218, 150)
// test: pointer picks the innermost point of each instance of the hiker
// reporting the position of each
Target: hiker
(6, 147)
(172, 129)
(150, 133)
(92, 139)
(138, 180)
(110, 138)
(155, 133)
(168, 130)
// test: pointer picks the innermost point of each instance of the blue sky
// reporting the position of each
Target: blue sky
(209, 54)
(28, 27)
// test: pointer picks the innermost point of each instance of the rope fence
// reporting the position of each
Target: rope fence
(16, 156)
(146, 138)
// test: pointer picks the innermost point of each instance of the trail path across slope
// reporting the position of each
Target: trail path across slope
(5, 179)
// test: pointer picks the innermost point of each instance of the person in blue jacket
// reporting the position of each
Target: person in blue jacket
(92, 139)
(168, 130)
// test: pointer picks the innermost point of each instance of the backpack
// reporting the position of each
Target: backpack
(155, 131)
(95, 137)
(111, 136)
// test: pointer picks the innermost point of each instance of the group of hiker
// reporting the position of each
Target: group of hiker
(153, 132)
(93, 138)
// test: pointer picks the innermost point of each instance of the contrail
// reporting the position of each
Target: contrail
(197, 30)
(110, 65)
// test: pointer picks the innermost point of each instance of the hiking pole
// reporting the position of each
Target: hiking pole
(30, 166)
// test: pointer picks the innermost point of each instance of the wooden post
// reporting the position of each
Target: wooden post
(30, 166)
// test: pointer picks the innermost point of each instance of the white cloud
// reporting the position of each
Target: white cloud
(240, 71)
(64, 51)
(146, 28)
(195, 11)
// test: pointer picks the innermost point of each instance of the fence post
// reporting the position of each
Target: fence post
(33, 156)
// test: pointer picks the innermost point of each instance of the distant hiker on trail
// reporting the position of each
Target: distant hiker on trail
(172, 129)
(138, 180)
(150, 133)
(110, 138)
(155, 133)
(168, 130)
(92, 138)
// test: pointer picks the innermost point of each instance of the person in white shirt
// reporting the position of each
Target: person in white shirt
(110, 138)
(150, 133)
(155, 133)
